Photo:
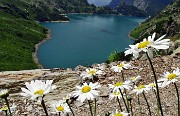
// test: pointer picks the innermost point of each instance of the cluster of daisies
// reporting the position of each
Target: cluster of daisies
(89, 88)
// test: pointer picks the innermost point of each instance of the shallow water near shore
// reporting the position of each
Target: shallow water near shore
(85, 40)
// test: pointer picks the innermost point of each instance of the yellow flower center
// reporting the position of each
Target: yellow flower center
(116, 93)
(86, 89)
(133, 78)
(171, 76)
(140, 87)
(119, 114)
(4, 108)
(120, 65)
(92, 72)
(60, 108)
(153, 85)
(143, 44)
(39, 92)
(118, 84)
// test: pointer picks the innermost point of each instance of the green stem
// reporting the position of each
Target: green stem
(7, 103)
(90, 108)
(139, 106)
(178, 98)
(6, 112)
(125, 90)
(124, 100)
(44, 107)
(157, 103)
(119, 104)
(122, 75)
(131, 107)
(95, 106)
(157, 89)
(67, 101)
(147, 104)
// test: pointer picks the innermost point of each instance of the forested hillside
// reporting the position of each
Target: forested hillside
(166, 22)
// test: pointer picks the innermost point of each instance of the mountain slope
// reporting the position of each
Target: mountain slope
(17, 39)
(130, 10)
(166, 22)
(29, 10)
(99, 2)
(150, 6)
(115, 3)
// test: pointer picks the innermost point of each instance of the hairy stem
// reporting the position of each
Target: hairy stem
(178, 98)
(95, 106)
(6, 112)
(119, 104)
(157, 89)
(147, 104)
(140, 108)
(7, 103)
(131, 107)
(124, 100)
(122, 75)
(90, 108)
(44, 107)
(157, 103)
(67, 101)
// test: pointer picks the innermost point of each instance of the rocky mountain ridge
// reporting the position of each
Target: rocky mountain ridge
(166, 22)
(151, 7)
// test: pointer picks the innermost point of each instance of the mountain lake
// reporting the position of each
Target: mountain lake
(85, 40)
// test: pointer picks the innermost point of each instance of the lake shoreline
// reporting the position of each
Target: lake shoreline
(34, 54)
(129, 35)
(58, 21)
(132, 38)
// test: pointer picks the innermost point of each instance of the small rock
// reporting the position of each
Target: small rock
(111, 78)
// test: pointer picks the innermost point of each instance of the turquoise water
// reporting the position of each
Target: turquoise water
(87, 39)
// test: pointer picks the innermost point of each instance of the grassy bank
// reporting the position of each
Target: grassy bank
(17, 42)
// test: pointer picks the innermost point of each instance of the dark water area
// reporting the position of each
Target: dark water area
(86, 39)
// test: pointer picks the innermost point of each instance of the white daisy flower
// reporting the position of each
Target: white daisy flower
(60, 106)
(67, 97)
(141, 88)
(5, 108)
(89, 73)
(148, 43)
(120, 67)
(120, 85)
(37, 89)
(152, 86)
(132, 50)
(87, 91)
(114, 95)
(4, 93)
(170, 78)
(12, 108)
(135, 79)
(119, 113)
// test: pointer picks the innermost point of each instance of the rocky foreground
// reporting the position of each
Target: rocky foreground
(67, 79)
